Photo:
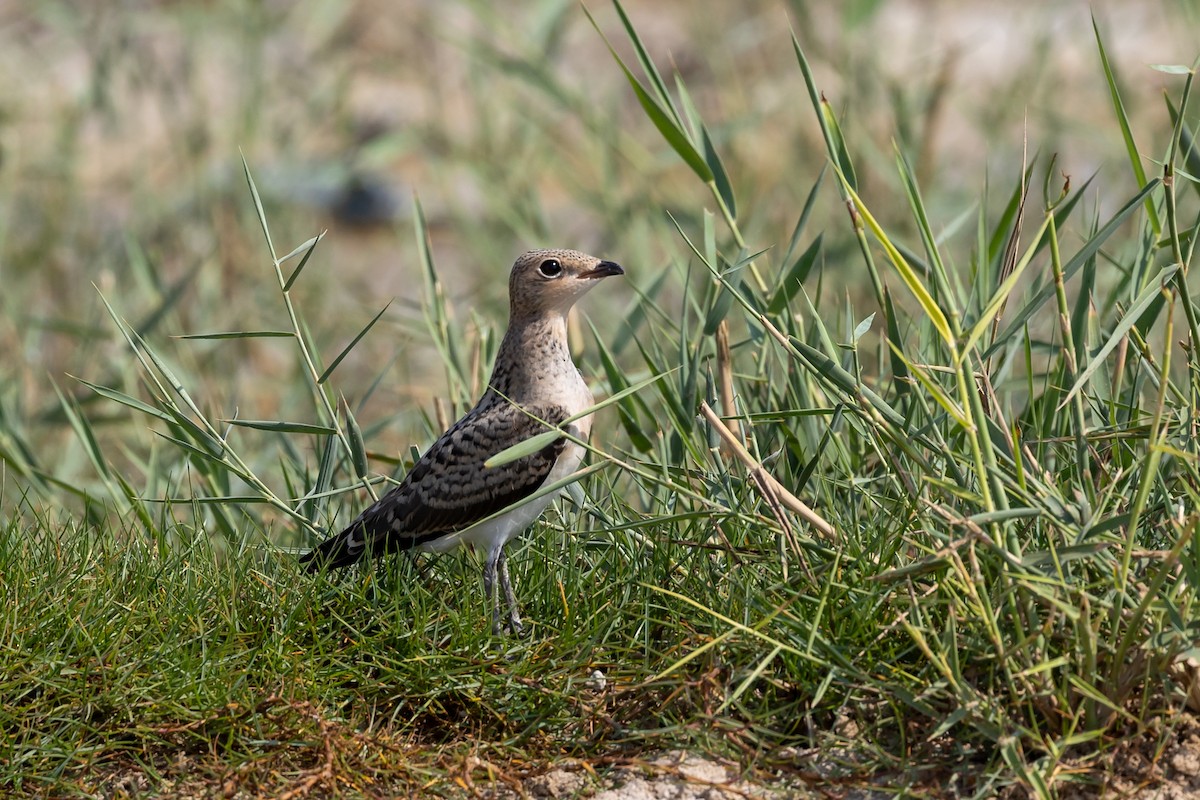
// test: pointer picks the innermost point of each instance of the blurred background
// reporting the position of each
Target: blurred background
(123, 125)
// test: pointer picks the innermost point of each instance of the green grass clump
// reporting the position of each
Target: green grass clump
(931, 480)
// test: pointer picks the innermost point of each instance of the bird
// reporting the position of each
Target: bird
(451, 495)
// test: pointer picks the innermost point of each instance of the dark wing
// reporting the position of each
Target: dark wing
(449, 489)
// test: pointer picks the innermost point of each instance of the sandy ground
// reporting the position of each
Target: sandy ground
(1143, 771)
(1161, 764)
(1165, 768)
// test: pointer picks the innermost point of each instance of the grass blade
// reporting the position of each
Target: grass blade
(1131, 149)
(1152, 293)
(346, 350)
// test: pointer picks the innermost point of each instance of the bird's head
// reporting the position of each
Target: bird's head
(549, 281)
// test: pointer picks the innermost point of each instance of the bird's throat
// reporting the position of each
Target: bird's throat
(533, 356)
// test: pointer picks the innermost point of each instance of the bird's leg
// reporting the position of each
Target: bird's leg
(371, 578)
(514, 614)
(419, 568)
(489, 589)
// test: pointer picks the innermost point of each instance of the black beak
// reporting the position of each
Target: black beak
(603, 270)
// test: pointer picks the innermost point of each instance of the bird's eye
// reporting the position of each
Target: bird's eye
(550, 268)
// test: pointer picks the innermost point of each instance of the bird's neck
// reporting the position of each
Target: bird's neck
(533, 354)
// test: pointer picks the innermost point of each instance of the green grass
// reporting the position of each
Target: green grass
(985, 405)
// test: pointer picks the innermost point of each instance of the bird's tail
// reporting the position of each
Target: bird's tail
(335, 552)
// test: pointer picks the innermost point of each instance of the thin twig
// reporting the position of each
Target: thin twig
(764, 478)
